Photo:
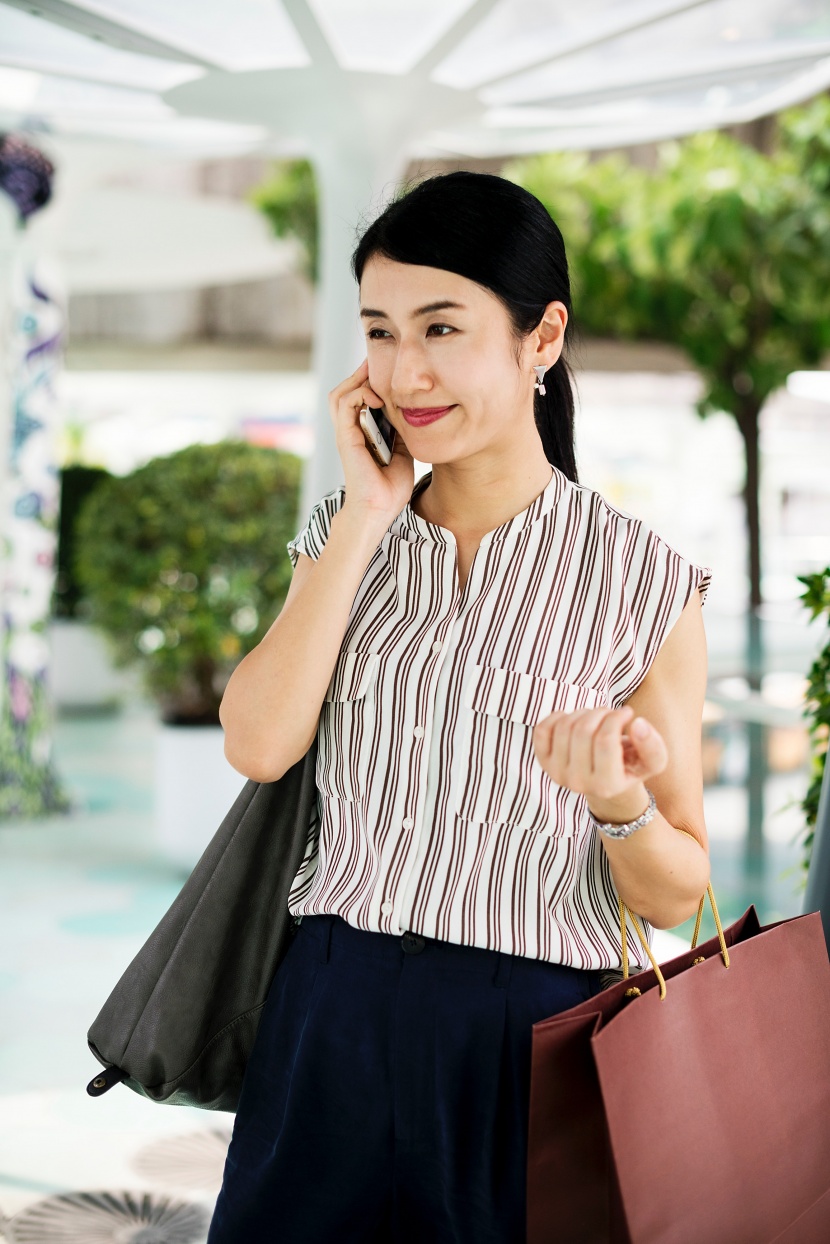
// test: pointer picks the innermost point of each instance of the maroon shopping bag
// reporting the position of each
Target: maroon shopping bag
(695, 1108)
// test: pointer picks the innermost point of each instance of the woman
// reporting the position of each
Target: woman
(494, 664)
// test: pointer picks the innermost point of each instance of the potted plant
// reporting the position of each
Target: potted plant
(184, 565)
(81, 673)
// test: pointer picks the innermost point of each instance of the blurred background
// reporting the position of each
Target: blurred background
(180, 190)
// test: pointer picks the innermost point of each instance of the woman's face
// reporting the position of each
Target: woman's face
(423, 356)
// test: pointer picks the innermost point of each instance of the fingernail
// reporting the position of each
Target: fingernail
(640, 727)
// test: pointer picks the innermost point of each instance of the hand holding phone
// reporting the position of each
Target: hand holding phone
(379, 433)
(373, 495)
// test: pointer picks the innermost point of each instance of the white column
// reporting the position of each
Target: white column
(350, 187)
(8, 232)
(32, 310)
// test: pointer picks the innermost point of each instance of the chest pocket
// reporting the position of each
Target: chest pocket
(346, 726)
(501, 780)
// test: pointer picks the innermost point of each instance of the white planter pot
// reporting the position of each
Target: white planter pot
(195, 786)
(81, 672)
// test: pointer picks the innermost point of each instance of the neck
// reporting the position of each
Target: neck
(476, 495)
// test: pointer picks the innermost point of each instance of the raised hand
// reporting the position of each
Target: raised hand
(600, 752)
(379, 491)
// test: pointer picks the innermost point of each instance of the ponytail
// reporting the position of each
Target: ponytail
(554, 415)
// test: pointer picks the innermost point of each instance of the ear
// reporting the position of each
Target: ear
(548, 338)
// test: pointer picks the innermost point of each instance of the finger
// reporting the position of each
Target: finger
(542, 736)
(358, 376)
(358, 398)
(586, 722)
(349, 383)
(544, 730)
(352, 402)
(560, 750)
(608, 752)
(650, 751)
(629, 751)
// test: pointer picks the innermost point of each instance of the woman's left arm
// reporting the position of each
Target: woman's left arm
(659, 873)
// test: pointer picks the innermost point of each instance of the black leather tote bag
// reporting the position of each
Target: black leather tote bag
(180, 1024)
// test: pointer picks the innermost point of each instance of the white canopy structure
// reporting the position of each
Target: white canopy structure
(112, 239)
(363, 86)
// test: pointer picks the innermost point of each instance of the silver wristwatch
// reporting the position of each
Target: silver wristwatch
(612, 830)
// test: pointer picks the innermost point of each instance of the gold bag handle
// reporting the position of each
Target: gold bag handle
(634, 992)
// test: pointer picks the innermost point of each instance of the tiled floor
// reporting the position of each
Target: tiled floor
(78, 896)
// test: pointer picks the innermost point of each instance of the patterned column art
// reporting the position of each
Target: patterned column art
(29, 785)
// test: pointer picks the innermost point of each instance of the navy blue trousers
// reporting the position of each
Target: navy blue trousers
(386, 1096)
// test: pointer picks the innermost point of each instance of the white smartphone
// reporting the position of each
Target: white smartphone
(379, 433)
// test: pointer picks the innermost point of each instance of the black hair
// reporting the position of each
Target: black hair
(497, 234)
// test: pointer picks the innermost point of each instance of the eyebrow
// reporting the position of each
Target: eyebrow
(444, 305)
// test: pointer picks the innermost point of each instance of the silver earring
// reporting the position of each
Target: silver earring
(539, 383)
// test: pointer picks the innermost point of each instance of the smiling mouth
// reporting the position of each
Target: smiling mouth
(419, 415)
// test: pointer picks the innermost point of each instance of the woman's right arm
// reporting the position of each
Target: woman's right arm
(271, 705)
(272, 702)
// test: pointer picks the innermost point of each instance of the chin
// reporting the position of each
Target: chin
(417, 446)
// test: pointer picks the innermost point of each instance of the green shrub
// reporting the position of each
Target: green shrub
(816, 598)
(185, 567)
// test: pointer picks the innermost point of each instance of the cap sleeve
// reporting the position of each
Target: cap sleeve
(657, 584)
(312, 538)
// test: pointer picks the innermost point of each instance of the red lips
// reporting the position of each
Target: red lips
(418, 416)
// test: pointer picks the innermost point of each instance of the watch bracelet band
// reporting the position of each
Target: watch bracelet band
(612, 830)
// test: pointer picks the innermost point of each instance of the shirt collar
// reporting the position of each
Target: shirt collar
(411, 526)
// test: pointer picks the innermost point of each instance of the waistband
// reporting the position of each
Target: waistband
(335, 935)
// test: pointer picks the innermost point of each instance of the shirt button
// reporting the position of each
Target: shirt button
(387, 907)
(437, 646)
(418, 732)
(407, 822)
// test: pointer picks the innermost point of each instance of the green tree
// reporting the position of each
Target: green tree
(724, 252)
(288, 197)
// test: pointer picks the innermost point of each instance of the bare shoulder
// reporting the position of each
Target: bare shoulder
(687, 638)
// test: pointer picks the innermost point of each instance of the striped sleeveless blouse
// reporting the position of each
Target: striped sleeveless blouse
(433, 813)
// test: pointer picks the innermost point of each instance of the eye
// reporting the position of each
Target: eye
(447, 326)
(372, 331)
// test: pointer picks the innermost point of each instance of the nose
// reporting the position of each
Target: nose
(410, 374)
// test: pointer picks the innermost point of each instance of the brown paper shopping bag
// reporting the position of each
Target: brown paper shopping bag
(694, 1105)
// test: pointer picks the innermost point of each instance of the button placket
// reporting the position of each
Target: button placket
(435, 659)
